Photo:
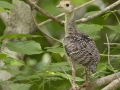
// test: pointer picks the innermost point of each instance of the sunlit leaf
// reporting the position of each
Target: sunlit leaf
(5, 4)
(16, 63)
(12, 71)
(60, 66)
(69, 77)
(2, 56)
(90, 30)
(13, 62)
(115, 28)
(101, 67)
(55, 49)
(3, 10)
(25, 47)
(20, 86)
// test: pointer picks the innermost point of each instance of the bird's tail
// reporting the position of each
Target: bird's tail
(92, 68)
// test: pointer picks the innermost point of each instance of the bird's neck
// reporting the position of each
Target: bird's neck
(70, 26)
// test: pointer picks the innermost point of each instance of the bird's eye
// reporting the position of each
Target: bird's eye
(67, 5)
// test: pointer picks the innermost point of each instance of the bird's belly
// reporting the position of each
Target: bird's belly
(78, 55)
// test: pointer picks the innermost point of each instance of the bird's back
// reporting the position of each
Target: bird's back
(82, 49)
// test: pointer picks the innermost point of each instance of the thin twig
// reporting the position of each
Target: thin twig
(112, 43)
(77, 21)
(43, 31)
(99, 13)
(109, 55)
(44, 12)
(62, 14)
(66, 75)
(109, 59)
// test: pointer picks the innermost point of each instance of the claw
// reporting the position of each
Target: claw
(75, 88)
(84, 85)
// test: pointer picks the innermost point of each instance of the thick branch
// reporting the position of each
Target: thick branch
(99, 13)
(4, 17)
(113, 85)
(20, 22)
(44, 12)
(102, 81)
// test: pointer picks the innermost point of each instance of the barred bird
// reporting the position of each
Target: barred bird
(79, 47)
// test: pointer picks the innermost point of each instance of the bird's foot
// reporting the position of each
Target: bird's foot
(84, 85)
(79, 87)
(75, 88)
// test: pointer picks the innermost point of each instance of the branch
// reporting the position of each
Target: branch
(89, 17)
(4, 17)
(99, 13)
(112, 43)
(102, 81)
(110, 55)
(113, 85)
(62, 14)
(48, 37)
(33, 5)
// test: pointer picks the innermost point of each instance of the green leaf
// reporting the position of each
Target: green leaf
(20, 86)
(115, 28)
(16, 63)
(90, 30)
(56, 49)
(3, 10)
(59, 66)
(25, 47)
(13, 71)
(13, 62)
(67, 76)
(3, 83)
(5, 4)
(17, 36)
(101, 67)
(110, 68)
(41, 85)
(58, 69)
(90, 13)
(2, 56)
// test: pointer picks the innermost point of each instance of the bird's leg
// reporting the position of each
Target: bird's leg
(86, 83)
(87, 77)
(73, 75)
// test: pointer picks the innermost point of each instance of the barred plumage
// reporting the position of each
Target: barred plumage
(81, 49)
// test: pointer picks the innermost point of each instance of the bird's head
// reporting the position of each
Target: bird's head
(66, 6)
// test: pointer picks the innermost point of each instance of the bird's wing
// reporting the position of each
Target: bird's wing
(82, 49)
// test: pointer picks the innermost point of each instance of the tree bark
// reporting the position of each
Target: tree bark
(20, 21)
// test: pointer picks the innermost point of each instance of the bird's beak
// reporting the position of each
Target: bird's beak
(59, 6)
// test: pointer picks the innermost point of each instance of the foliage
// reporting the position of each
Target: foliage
(5, 5)
(52, 72)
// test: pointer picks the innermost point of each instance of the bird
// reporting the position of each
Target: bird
(79, 47)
